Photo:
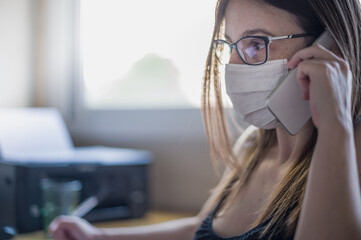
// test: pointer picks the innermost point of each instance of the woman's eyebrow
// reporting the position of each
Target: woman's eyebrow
(252, 32)
(257, 31)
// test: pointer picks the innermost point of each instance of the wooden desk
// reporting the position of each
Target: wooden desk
(152, 217)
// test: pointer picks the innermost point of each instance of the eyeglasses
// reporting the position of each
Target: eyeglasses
(253, 50)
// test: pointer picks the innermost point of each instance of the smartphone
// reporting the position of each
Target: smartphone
(286, 103)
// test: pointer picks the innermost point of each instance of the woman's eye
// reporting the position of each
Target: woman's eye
(256, 45)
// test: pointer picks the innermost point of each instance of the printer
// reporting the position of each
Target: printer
(35, 144)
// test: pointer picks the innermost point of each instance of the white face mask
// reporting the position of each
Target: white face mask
(248, 88)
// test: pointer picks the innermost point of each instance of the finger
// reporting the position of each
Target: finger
(53, 225)
(304, 83)
(309, 70)
(57, 223)
(60, 226)
(313, 52)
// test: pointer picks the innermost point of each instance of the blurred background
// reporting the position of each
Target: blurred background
(122, 74)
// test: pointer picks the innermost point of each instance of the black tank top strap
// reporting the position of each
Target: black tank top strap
(215, 210)
(357, 120)
(206, 231)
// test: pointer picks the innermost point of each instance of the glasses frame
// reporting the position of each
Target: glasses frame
(267, 40)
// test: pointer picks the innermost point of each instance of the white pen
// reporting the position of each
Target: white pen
(85, 207)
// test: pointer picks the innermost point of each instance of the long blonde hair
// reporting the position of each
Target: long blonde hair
(342, 18)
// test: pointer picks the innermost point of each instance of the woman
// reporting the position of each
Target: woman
(275, 186)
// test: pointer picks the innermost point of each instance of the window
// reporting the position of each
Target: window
(144, 54)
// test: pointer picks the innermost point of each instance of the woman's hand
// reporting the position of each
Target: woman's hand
(73, 228)
(326, 81)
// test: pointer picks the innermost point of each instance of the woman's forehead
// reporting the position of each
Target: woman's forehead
(247, 16)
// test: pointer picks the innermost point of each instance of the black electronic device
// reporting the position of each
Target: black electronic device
(122, 188)
(35, 144)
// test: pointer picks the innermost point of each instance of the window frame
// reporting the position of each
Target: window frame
(157, 122)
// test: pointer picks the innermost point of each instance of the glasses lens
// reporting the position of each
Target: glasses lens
(253, 50)
(222, 50)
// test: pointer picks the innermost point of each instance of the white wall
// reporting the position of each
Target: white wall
(54, 53)
(15, 53)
